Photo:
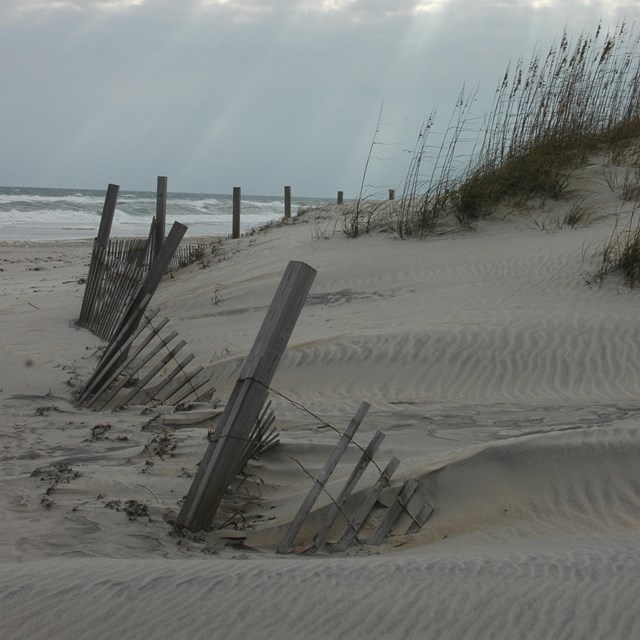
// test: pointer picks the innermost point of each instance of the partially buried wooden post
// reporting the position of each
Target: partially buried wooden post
(161, 214)
(235, 224)
(287, 203)
(340, 197)
(249, 394)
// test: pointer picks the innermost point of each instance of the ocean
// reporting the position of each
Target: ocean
(68, 214)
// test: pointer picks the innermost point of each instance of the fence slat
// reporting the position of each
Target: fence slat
(170, 399)
(136, 367)
(179, 368)
(321, 480)
(367, 504)
(418, 521)
(352, 481)
(111, 372)
(408, 489)
(163, 363)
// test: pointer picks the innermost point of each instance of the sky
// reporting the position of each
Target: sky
(252, 93)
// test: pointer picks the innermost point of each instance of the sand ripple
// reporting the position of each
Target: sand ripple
(504, 595)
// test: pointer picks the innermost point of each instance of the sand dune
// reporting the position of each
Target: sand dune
(504, 377)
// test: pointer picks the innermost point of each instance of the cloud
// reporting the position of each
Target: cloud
(251, 92)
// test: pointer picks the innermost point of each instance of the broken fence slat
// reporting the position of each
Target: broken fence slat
(352, 481)
(418, 521)
(408, 489)
(367, 504)
(320, 482)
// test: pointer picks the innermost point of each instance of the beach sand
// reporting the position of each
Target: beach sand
(505, 378)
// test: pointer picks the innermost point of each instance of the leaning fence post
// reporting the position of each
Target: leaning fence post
(97, 266)
(287, 203)
(108, 211)
(149, 285)
(161, 213)
(219, 465)
(235, 224)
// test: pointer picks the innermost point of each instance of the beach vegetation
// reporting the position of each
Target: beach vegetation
(621, 251)
(549, 115)
(580, 212)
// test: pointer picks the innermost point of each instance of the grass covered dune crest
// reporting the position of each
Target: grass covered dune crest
(549, 115)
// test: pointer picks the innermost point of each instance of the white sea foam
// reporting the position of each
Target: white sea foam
(27, 213)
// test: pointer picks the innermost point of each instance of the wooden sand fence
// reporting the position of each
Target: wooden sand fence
(405, 499)
(245, 428)
(119, 266)
(123, 277)
(145, 366)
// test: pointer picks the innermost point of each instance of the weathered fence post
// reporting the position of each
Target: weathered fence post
(97, 266)
(108, 211)
(235, 224)
(287, 203)
(340, 197)
(249, 394)
(392, 194)
(161, 214)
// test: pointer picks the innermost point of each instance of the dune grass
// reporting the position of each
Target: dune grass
(548, 115)
(621, 252)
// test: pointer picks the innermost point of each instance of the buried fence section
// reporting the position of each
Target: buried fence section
(406, 500)
(352, 481)
(394, 511)
(247, 399)
(370, 499)
(322, 479)
(113, 362)
(133, 370)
